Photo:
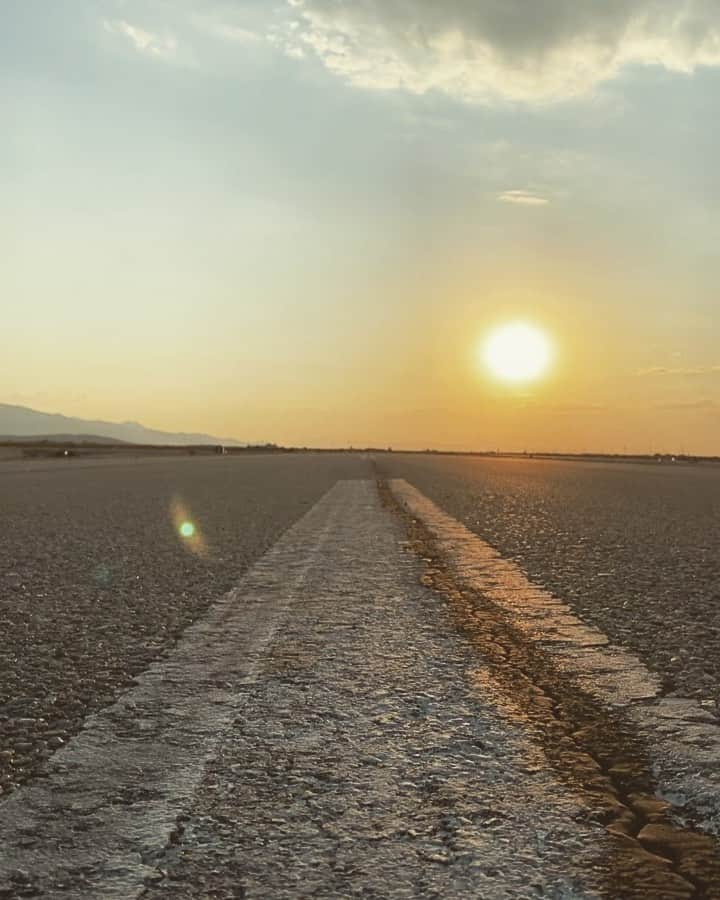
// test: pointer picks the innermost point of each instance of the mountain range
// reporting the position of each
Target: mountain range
(21, 421)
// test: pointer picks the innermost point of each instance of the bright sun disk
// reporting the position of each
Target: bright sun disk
(517, 352)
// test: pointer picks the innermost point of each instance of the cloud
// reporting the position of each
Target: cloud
(681, 372)
(565, 408)
(143, 41)
(522, 198)
(679, 405)
(225, 31)
(488, 50)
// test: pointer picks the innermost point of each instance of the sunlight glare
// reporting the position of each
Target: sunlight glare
(517, 352)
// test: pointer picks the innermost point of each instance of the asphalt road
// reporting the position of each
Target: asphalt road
(336, 697)
(95, 581)
(634, 549)
(336, 728)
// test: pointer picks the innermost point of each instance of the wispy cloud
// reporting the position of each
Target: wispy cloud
(680, 405)
(147, 42)
(523, 198)
(539, 52)
(565, 408)
(682, 372)
(226, 31)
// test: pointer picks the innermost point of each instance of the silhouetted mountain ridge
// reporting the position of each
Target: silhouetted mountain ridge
(62, 439)
(21, 420)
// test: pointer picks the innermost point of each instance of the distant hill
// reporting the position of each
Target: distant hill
(62, 439)
(30, 423)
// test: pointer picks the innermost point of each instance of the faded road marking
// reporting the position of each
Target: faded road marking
(366, 763)
(682, 737)
(110, 799)
(332, 657)
(610, 673)
(331, 677)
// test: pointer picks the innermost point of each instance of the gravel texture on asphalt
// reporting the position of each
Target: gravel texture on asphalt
(365, 762)
(634, 549)
(392, 741)
(95, 581)
(650, 761)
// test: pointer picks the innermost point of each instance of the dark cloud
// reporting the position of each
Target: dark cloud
(525, 50)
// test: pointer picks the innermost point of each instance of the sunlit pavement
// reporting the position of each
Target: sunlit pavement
(97, 577)
(384, 706)
(333, 728)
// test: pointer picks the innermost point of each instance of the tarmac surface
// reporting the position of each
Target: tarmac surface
(634, 548)
(96, 581)
(316, 736)
(387, 698)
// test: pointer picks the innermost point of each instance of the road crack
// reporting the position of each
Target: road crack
(593, 748)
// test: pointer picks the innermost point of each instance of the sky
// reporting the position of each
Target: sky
(298, 221)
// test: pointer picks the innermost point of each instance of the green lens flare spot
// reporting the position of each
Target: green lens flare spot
(187, 530)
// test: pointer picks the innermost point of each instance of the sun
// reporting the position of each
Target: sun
(517, 352)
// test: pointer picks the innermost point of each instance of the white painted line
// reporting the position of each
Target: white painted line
(365, 763)
(109, 800)
(684, 738)
(610, 673)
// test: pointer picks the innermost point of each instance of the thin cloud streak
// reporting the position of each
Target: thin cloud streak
(227, 32)
(522, 198)
(678, 372)
(143, 41)
(690, 405)
(565, 408)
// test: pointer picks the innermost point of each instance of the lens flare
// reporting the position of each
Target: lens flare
(187, 529)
